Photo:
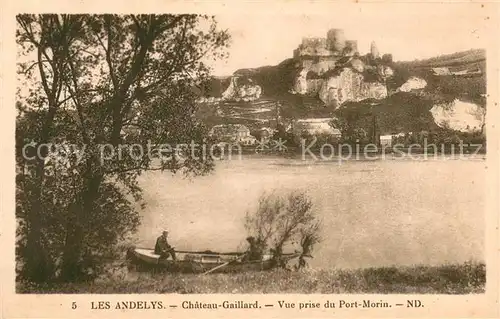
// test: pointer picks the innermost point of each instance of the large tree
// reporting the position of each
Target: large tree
(104, 88)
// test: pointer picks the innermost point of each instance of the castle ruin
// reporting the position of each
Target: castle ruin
(316, 57)
(334, 45)
(374, 50)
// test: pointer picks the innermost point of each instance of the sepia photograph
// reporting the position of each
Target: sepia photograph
(308, 153)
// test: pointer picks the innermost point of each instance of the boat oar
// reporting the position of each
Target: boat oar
(224, 264)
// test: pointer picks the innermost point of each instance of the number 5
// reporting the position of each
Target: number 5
(73, 305)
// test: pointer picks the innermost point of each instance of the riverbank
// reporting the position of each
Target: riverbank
(339, 149)
(463, 278)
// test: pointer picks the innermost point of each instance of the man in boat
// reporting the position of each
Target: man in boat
(162, 247)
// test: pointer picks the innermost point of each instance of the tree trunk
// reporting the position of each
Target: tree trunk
(71, 267)
(70, 270)
(38, 267)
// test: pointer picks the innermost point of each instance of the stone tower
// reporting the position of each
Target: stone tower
(351, 47)
(374, 50)
(335, 40)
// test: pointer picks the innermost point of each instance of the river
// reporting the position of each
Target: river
(375, 213)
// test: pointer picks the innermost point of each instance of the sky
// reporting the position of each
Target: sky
(408, 32)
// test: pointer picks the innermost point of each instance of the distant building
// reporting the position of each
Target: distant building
(247, 140)
(457, 71)
(462, 72)
(466, 72)
(232, 133)
(476, 71)
(386, 140)
(441, 71)
(266, 133)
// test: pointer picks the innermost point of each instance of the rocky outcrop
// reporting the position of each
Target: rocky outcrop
(349, 85)
(459, 115)
(322, 66)
(358, 65)
(303, 85)
(242, 92)
(315, 126)
(314, 85)
(413, 83)
(248, 92)
(300, 85)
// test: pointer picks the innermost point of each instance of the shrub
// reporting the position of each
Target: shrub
(284, 219)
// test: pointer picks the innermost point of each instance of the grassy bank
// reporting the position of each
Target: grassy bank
(447, 279)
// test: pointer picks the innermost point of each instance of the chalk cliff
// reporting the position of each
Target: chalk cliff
(459, 115)
(349, 85)
(246, 91)
(413, 83)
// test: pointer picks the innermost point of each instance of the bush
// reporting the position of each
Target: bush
(282, 220)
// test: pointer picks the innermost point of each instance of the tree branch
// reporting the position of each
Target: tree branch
(114, 80)
(43, 77)
(33, 64)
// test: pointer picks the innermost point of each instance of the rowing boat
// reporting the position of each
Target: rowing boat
(201, 262)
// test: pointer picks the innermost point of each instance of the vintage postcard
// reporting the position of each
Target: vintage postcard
(281, 159)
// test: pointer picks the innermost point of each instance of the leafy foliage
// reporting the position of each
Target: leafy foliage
(401, 112)
(92, 86)
(283, 219)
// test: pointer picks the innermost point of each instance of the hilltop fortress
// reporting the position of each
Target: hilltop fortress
(321, 54)
(329, 69)
(335, 44)
(332, 69)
